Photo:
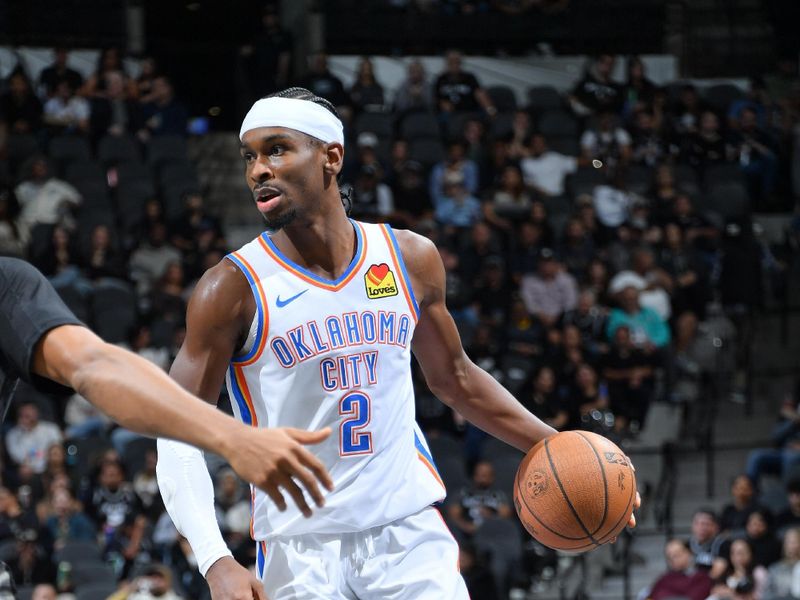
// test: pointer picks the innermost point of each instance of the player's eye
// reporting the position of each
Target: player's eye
(248, 157)
(277, 150)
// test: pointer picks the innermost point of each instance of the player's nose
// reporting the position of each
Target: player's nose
(261, 171)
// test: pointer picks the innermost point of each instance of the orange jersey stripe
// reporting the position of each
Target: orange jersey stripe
(261, 299)
(431, 468)
(241, 383)
(399, 271)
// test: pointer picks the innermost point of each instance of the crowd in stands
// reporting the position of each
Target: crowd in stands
(594, 244)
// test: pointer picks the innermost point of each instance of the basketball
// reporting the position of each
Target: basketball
(575, 491)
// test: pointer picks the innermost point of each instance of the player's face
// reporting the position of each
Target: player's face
(284, 170)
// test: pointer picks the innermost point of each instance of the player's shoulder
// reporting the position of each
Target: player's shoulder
(222, 294)
(419, 253)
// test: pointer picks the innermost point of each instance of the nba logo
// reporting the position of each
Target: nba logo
(379, 281)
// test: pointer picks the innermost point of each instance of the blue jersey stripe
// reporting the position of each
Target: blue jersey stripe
(244, 410)
(404, 273)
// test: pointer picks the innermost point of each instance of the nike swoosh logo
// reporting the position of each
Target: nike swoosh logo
(281, 303)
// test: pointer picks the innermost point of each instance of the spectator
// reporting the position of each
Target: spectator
(59, 261)
(232, 506)
(761, 537)
(754, 149)
(164, 114)
(706, 145)
(710, 549)
(83, 419)
(520, 134)
(639, 92)
(479, 502)
(66, 112)
(154, 584)
(684, 268)
(577, 248)
(455, 162)
(114, 113)
(590, 319)
(648, 330)
(108, 61)
(67, 523)
(697, 230)
(541, 398)
(372, 199)
(141, 342)
(491, 292)
(321, 82)
(607, 142)
(783, 579)
(612, 203)
(268, 56)
(648, 147)
(102, 258)
(410, 192)
(366, 155)
(663, 192)
(43, 197)
(30, 565)
(525, 335)
(682, 578)
(734, 516)
(685, 114)
(652, 281)
(629, 373)
(366, 93)
(415, 93)
(13, 241)
(596, 91)
(113, 501)
(128, 546)
(188, 228)
(20, 109)
(744, 579)
(14, 519)
(525, 256)
(551, 292)
(456, 207)
(44, 591)
(790, 516)
(145, 486)
(545, 170)
(169, 297)
(143, 86)
(589, 400)
(27, 442)
(459, 91)
(509, 202)
(150, 260)
(58, 72)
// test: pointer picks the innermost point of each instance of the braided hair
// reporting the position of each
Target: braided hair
(298, 93)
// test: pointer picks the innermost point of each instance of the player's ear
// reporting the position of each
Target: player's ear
(334, 158)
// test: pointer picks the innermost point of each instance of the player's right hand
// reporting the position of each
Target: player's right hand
(228, 580)
(276, 461)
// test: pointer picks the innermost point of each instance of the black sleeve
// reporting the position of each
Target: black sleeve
(29, 308)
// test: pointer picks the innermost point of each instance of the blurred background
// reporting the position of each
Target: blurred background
(612, 186)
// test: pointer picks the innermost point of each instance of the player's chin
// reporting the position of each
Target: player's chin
(278, 219)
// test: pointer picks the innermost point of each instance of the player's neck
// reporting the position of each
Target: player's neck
(324, 244)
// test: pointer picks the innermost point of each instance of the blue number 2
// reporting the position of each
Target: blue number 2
(356, 408)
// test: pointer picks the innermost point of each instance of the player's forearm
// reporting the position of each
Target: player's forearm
(142, 398)
(485, 403)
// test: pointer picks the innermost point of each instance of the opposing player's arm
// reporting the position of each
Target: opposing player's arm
(450, 374)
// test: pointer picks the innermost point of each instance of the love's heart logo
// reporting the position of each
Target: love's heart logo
(377, 273)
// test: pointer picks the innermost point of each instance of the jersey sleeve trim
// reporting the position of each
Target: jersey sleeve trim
(242, 396)
(400, 265)
(262, 310)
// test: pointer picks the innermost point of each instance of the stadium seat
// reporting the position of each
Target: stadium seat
(166, 148)
(175, 173)
(113, 311)
(722, 173)
(544, 97)
(134, 172)
(95, 591)
(114, 149)
(84, 170)
(721, 96)
(8, 549)
(639, 179)
(567, 145)
(91, 571)
(25, 592)
(501, 540)
(494, 448)
(557, 122)
(453, 472)
(86, 549)
(505, 470)
(444, 444)
(173, 198)
(516, 370)
(419, 126)
(68, 148)
(685, 178)
(458, 121)
(135, 452)
(503, 98)
(379, 123)
(427, 151)
(502, 125)
(95, 194)
(730, 200)
(130, 206)
(584, 180)
(21, 146)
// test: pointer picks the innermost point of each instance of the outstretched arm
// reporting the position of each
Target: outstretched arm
(450, 374)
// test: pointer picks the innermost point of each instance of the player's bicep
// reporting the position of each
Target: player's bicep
(214, 324)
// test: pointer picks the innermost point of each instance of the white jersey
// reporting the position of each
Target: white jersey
(337, 354)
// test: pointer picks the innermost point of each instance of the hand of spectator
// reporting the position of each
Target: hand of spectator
(228, 580)
(446, 106)
(687, 279)
(275, 459)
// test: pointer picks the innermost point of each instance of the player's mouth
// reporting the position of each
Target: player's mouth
(267, 198)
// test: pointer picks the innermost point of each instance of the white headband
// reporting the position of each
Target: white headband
(302, 115)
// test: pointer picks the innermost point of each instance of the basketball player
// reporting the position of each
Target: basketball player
(43, 343)
(313, 326)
